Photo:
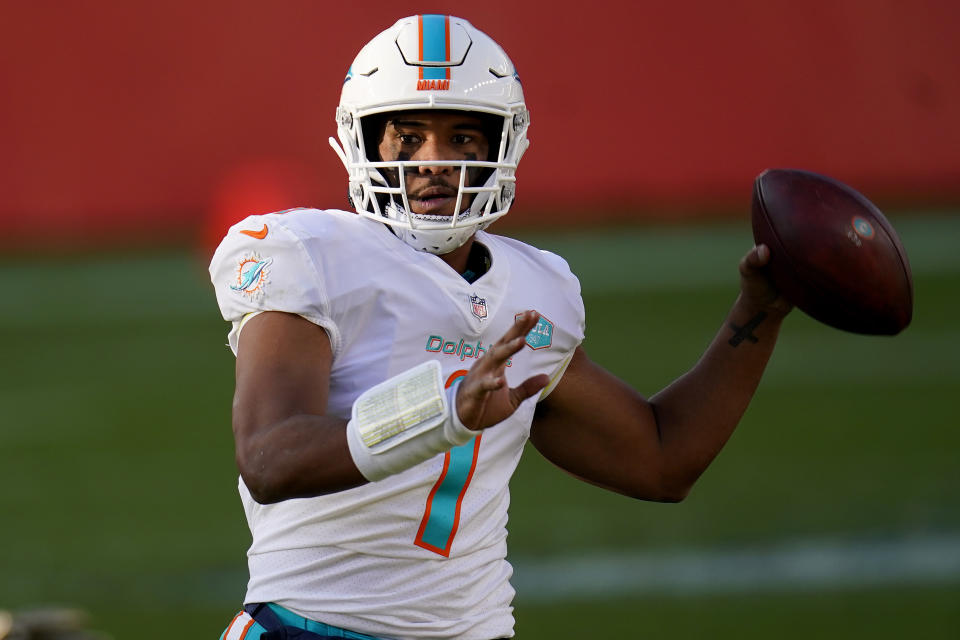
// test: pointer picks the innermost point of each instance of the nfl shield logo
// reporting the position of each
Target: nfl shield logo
(478, 306)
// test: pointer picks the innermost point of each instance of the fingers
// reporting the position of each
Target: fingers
(757, 284)
(508, 346)
(763, 254)
(757, 258)
(512, 341)
(491, 382)
(521, 326)
(484, 398)
(530, 387)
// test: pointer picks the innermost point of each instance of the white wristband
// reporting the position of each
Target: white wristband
(404, 421)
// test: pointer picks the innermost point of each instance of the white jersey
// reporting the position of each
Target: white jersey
(421, 554)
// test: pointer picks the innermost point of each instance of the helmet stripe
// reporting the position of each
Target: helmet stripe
(434, 45)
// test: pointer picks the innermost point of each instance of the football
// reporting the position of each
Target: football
(833, 254)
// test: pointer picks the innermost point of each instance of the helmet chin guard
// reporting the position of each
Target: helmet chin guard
(432, 62)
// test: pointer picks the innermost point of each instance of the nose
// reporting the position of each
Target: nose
(433, 149)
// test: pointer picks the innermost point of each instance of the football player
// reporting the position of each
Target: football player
(392, 365)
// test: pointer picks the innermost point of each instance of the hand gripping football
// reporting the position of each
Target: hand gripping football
(833, 253)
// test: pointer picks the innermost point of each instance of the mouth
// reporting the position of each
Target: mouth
(435, 201)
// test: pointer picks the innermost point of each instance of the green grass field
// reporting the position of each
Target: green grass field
(119, 488)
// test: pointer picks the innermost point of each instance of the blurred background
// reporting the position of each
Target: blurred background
(133, 134)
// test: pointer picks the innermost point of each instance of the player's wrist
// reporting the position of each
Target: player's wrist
(404, 421)
(753, 322)
(455, 431)
(771, 303)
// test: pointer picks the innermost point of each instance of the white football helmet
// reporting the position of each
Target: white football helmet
(432, 62)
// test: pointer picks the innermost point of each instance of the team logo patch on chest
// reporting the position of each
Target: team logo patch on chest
(478, 306)
(252, 275)
(541, 336)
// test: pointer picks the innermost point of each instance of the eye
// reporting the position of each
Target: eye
(408, 138)
(462, 138)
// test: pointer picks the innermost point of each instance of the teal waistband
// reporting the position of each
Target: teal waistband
(291, 619)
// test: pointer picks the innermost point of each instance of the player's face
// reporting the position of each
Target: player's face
(434, 135)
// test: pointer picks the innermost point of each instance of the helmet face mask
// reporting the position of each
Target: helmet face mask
(427, 63)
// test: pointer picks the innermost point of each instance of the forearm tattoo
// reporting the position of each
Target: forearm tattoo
(746, 331)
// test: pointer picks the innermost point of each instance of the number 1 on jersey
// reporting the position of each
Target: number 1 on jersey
(441, 517)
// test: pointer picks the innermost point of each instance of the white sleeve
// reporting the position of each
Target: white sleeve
(567, 289)
(261, 265)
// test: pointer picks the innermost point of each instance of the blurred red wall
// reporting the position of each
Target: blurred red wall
(127, 120)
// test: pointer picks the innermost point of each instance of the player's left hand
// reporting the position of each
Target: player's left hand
(756, 286)
(483, 397)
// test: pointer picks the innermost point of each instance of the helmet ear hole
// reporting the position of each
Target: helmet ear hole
(372, 128)
(492, 126)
